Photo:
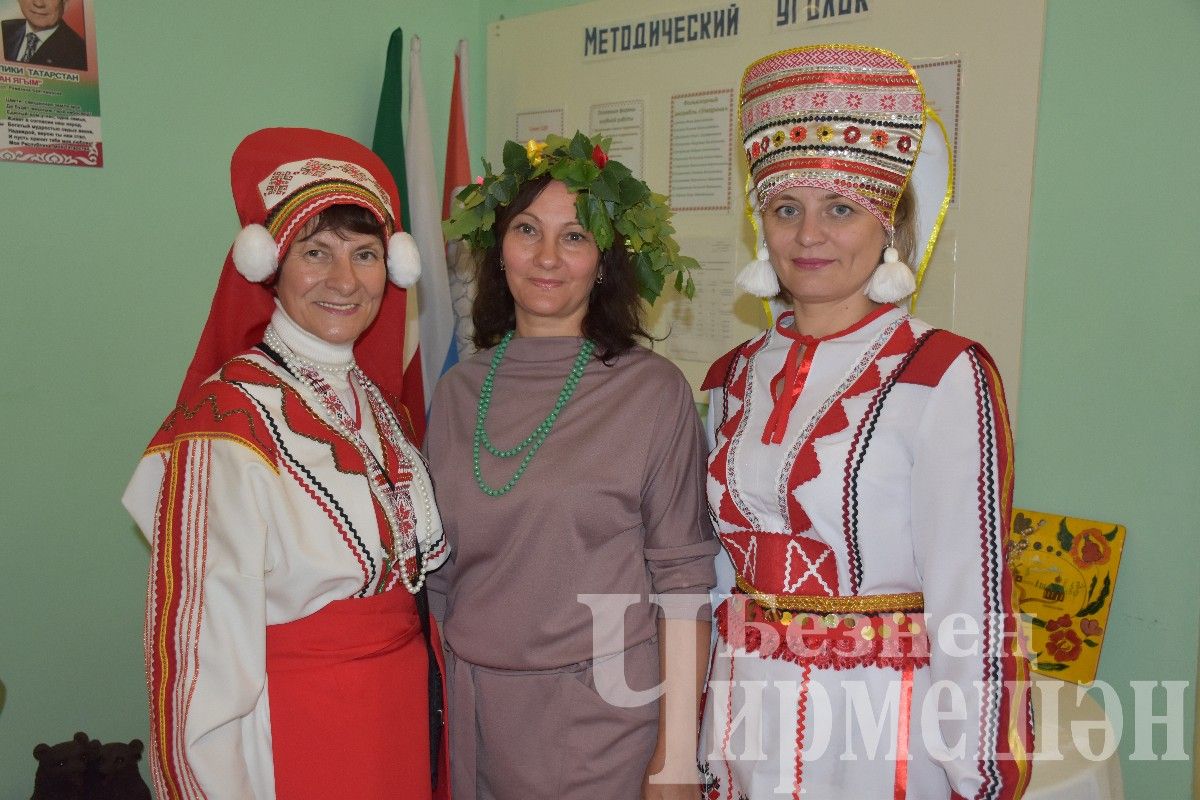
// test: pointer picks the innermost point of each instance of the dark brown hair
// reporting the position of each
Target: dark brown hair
(342, 219)
(905, 223)
(614, 313)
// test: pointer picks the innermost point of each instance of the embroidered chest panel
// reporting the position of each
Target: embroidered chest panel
(775, 546)
(325, 468)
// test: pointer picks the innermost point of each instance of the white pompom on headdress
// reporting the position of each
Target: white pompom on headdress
(254, 253)
(403, 260)
(892, 281)
(757, 277)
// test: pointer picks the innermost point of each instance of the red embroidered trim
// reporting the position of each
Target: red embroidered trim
(901, 342)
(801, 711)
(728, 735)
(900, 788)
(779, 563)
(806, 465)
(806, 640)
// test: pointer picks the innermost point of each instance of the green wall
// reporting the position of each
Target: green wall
(1108, 386)
(107, 275)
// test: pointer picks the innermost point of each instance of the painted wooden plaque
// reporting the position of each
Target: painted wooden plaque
(1065, 571)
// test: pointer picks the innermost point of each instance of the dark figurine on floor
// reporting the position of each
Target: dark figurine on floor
(84, 769)
(116, 775)
(63, 768)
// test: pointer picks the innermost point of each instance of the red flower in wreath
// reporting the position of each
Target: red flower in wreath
(1058, 624)
(755, 150)
(852, 134)
(1064, 645)
(766, 143)
(879, 138)
(1090, 548)
(599, 157)
(904, 144)
(799, 134)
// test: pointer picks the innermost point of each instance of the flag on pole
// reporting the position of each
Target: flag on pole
(458, 174)
(388, 144)
(436, 314)
(458, 161)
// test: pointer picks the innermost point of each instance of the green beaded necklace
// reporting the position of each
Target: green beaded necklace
(530, 444)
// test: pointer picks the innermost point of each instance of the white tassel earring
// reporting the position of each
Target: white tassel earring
(758, 277)
(893, 280)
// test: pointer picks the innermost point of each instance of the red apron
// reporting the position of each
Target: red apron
(349, 701)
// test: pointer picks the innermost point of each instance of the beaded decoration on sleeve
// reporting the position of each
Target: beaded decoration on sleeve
(610, 201)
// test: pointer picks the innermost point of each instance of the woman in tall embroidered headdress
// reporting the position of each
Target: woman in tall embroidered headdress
(861, 471)
(289, 649)
(570, 463)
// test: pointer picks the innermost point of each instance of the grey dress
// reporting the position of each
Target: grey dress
(612, 504)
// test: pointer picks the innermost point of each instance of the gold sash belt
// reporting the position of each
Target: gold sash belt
(821, 604)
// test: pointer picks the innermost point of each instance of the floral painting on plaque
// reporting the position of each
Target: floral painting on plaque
(1065, 571)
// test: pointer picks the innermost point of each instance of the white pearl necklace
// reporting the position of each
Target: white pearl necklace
(276, 343)
(309, 373)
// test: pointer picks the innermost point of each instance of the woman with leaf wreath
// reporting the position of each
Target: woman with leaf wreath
(570, 462)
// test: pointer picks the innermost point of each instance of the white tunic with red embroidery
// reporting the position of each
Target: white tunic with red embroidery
(259, 513)
(891, 474)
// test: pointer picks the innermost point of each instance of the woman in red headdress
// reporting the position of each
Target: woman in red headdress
(861, 470)
(289, 649)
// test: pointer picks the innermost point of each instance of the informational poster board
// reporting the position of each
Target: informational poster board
(49, 85)
(663, 79)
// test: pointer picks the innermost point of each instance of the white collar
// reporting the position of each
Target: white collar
(42, 35)
(332, 360)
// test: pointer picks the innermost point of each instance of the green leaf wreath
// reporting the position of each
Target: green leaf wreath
(609, 201)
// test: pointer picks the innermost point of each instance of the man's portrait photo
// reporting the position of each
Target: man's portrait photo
(42, 37)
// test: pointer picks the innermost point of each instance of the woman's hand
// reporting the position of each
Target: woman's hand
(683, 651)
(669, 791)
(652, 789)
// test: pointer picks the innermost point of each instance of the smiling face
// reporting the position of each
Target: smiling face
(824, 248)
(332, 282)
(42, 14)
(551, 263)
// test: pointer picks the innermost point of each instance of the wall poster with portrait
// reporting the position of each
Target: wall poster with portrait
(681, 62)
(49, 84)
